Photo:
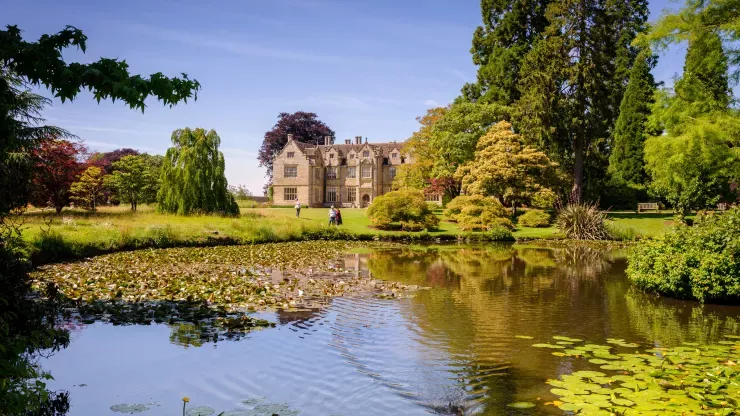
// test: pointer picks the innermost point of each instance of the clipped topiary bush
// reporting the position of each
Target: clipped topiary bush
(534, 218)
(700, 262)
(404, 209)
(477, 212)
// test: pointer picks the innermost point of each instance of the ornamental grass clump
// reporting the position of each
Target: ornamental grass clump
(700, 262)
(582, 221)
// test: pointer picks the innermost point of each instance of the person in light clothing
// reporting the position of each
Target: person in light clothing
(297, 208)
(332, 216)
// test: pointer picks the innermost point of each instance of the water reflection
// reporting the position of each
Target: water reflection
(451, 349)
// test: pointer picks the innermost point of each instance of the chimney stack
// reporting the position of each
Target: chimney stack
(365, 140)
(358, 139)
(290, 137)
(327, 140)
(347, 141)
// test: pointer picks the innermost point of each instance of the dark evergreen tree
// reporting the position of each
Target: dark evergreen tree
(573, 79)
(509, 29)
(626, 160)
(192, 175)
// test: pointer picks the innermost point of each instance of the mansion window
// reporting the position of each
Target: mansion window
(318, 195)
(351, 194)
(366, 153)
(352, 172)
(392, 171)
(290, 172)
(332, 194)
(331, 172)
(367, 171)
(352, 156)
(394, 155)
(433, 197)
(290, 194)
(317, 173)
(291, 155)
(331, 155)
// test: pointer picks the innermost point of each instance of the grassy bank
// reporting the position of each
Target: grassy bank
(77, 233)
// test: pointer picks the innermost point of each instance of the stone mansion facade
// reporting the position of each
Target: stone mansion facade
(344, 175)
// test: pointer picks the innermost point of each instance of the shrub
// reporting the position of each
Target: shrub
(477, 212)
(700, 262)
(534, 218)
(406, 209)
(582, 221)
(544, 198)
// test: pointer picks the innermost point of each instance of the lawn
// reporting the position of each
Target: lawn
(78, 233)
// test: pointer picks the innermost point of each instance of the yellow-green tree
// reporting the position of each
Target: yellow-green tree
(506, 168)
(89, 188)
(416, 175)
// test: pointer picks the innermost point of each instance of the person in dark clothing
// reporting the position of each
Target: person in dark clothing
(339, 217)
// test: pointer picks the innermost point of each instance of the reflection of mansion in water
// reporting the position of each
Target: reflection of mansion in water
(344, 175)
(356, 263)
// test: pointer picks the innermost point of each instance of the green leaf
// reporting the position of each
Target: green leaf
(521, 405)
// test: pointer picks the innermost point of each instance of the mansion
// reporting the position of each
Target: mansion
(344, 175)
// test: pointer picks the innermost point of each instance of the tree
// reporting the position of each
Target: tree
(407, 208)
(56, 166)
(240, 192)
(573, 77)
(693, 163)
(154, 166)
(27, 325)
(506, 168)
(509, 29)
(88, 189)
(418, 173)
(192, 176)
(132, 179)
(453, 139)
(626, 161)
(105, 160)
(305, 127)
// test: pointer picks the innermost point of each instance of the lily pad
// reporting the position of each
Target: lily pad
(548, 346)
(129, 408)
(523, 337)
(200, 411)
(562, 338)
(521, 405)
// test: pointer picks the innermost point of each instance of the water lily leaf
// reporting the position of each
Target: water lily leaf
(561, 338)
(200, 411)
(588, 374)
(129, 408)
(622, 402)
(523, 337)
(598, 361)
(521, 405)
(548, 346)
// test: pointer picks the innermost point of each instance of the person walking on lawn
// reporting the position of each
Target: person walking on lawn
(297, 208)
(332, 216)
(339, 217)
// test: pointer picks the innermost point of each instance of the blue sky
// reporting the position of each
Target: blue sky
(365, 67)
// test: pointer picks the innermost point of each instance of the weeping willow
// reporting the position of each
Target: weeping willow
(193, 180)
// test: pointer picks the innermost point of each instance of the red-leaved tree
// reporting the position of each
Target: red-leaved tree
(305, 127)
(105, 160)
(57, 163)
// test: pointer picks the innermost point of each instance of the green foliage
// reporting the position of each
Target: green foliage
(582, 221)
(509, 29)
(689, 379)
(626, 161)
(534, 218)
(700, 262)
(132, 180)
(192, 176)
(455, 135)
(88, 189)
(477, 212)
(572, 79)
(506, 168)
(405, 207)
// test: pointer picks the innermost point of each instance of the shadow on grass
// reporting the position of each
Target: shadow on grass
(642, 215)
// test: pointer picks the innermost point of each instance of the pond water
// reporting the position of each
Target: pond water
(450, 349)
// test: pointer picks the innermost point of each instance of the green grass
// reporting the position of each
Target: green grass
(77, 233)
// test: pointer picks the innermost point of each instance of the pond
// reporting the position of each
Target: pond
(462, 346)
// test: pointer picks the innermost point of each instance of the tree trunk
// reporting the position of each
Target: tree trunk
(578, 150)
(513, 209)
(59, 208)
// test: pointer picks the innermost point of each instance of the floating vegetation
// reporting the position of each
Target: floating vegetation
(129, 408)
(213, 288)
(688, 379)
(521, 405)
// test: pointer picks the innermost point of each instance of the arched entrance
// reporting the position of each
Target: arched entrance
(365, 200)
